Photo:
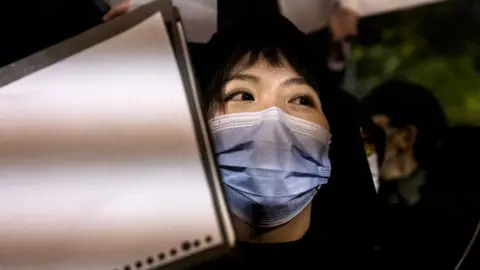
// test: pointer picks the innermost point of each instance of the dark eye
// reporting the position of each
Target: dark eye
(303, 101)
(240, 96)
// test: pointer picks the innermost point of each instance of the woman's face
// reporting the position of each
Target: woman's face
(261, 86)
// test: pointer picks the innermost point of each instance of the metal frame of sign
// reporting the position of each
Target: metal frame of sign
(58, 52)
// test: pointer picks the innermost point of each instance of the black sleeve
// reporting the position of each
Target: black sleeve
(343, 210)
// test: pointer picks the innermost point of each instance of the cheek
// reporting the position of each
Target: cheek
(390, 150)
(321, 119)
(241, 107)
(234, 108)
(218, 112)
(314, 116)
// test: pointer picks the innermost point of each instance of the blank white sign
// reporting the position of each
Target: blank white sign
(313, 15)
(99, 162)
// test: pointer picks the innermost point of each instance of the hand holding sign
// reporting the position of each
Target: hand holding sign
(343, 23)
(117, 10)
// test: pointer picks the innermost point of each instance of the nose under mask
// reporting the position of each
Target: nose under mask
(272, 164)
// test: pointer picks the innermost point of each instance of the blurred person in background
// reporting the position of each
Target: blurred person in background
(414, 223)
(415, 126)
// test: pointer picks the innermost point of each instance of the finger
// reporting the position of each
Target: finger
(343, 23)
(336, 28)
(116, 11)
(349, 19)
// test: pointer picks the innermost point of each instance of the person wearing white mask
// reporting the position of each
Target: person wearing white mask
(415, 127)
(412, 209)
(374, 140)
(278, 136)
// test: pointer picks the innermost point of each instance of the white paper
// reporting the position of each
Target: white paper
(313, 15)
(99, 165)
(373, 7)
(198, 16)
(307, 15)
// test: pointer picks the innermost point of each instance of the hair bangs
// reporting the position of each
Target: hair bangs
(275, 40)
(244, 56)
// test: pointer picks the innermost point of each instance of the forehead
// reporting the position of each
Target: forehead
(263, 66)
(381, 120)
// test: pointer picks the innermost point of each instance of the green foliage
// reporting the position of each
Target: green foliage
(437, 46)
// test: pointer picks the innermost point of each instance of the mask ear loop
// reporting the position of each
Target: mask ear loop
(320, 186)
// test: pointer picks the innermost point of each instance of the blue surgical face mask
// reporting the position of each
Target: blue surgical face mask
(272, 164)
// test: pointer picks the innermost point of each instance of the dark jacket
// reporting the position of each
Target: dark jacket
(421, 226)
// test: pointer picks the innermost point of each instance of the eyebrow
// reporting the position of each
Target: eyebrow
(294, 81)
(244, 77)
(256, 79)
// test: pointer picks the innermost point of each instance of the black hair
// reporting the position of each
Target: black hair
(271, 37)
(407, 103)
